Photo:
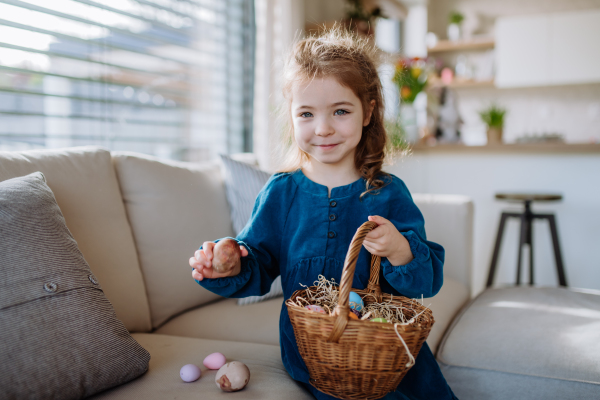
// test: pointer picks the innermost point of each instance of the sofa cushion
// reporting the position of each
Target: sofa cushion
(225, 320)
(268, 378)
(86, 189)
(542, 333)
(243, 183)
(173, 207)
(449, 222)
(445, 306)
(60, 336)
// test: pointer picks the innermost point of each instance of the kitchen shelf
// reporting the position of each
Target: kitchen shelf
(473, 44)
(457, 84)
(544, 148)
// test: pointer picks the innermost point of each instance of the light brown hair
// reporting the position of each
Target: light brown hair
(350, 60)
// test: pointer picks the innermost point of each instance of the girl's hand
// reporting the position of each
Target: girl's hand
(202, 263)
(386, 241)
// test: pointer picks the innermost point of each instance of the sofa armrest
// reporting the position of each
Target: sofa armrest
(449, 222)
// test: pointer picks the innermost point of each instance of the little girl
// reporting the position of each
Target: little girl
(305, 216)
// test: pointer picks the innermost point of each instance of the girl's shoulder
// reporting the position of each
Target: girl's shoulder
(393, 184)
(279, 181)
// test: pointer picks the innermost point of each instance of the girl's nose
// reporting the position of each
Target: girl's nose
(324, 128)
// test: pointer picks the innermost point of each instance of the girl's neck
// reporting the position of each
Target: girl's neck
(330, 175)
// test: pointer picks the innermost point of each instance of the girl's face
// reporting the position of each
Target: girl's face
(328, 121)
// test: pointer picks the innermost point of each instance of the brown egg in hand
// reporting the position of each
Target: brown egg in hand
(226, 255)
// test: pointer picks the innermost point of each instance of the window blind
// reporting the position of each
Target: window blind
(172, 78)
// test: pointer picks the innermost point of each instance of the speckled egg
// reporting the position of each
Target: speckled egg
(214, 361)
(190, 373)
(313, 307)
(232, 376)
(357, 313)
(356, 302)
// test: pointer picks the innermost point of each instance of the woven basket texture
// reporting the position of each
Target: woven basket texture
(357, 359)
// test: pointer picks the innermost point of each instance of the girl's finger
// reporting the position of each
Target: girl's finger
(192, 261)
(197, 276)
(375, 233)
(244, 251)
(378, 220)
(371, 245)
(207, 247)
(370, 249)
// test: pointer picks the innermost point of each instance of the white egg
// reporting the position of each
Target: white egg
(232, 376)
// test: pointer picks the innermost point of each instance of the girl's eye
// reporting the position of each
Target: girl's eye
(340, 112)
(306, 115)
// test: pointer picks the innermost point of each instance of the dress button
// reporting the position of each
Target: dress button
(332, 217)
(331, 234)
(333, 203)
(93, 279)
(50, 287)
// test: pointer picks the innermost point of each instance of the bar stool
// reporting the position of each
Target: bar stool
(527, 217)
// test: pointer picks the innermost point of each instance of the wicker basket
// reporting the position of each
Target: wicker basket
(356, 359)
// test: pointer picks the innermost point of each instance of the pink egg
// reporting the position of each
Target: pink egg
(316, 308)
(214, 361)
(190, 373)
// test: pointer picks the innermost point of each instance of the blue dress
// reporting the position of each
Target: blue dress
(300, 232)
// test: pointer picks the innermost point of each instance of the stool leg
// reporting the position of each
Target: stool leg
(562, 279)
(522, 240)
(495, 255)
(529, 241)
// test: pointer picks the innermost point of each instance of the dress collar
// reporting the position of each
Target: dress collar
(317, 189)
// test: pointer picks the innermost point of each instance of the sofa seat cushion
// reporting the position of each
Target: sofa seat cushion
(226, 320)
(540, 334)
(173, 207)
(259, 322)
(85, 185)
(268, 377)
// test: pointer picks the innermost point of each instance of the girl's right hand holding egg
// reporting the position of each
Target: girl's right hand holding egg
(217, 260)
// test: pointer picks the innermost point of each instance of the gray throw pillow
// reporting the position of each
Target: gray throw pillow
(243, 183)
(59, 335)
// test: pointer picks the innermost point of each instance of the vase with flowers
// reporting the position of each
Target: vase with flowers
(410, 76)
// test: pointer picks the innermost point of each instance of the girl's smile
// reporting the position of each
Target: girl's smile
(328, 121)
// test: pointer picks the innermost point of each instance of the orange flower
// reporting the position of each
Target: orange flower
(405, 92)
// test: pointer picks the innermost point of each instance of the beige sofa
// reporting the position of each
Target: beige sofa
(138, 219)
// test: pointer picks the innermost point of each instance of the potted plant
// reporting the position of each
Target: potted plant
(360, 17)
(455, 19)
(493, 116)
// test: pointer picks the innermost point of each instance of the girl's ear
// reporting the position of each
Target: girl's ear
(368, 115)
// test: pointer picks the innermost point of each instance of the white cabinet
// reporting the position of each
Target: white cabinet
(552, 49)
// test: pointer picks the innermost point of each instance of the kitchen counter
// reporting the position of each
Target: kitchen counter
(541, 148)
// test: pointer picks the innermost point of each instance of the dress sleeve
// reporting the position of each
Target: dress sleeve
(423, 276)
(262, 237)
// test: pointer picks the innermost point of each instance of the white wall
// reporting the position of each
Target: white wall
(480, 176)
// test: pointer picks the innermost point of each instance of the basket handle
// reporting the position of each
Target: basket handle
(343, 307)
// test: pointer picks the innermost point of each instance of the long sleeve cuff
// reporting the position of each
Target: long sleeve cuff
(403, 277)
(229, 285)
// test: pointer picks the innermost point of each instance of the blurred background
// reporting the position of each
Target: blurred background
(484, 96)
